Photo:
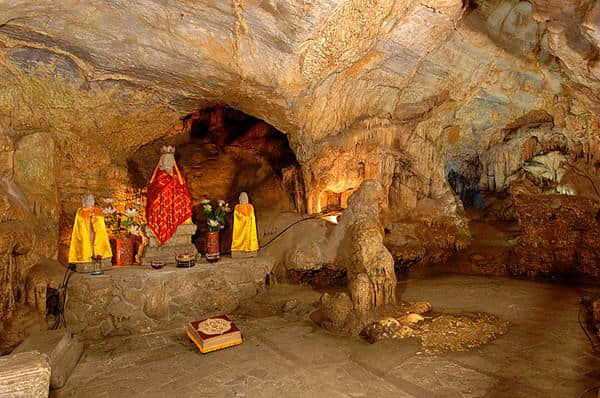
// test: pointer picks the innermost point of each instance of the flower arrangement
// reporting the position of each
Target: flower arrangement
(124, 219)
(214, 214)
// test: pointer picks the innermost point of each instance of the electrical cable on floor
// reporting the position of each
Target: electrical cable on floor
(60, 287)
(62, 299)
(312, 217)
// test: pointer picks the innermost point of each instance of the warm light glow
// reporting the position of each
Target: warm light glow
(331, 219)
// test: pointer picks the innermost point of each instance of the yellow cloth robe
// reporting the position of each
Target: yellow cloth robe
(245, 238)
(80, 250)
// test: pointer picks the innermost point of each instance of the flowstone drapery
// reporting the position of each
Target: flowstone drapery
(368, 264)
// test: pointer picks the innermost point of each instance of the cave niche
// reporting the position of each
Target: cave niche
(223, 152)
(334, 201)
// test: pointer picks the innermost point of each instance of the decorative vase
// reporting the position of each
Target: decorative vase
(212, 246)
(123, 250)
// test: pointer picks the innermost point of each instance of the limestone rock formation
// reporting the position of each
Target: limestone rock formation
(357, 244)
(18, 242)
(307, 256)
(60, 348)
(16, 326)
(370, 266)
(337, 310)
(23, 375)
(357, 94)
(438, 100)
(46, 274)
(559, 235)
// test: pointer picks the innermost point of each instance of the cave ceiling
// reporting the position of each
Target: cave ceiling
(116, 75)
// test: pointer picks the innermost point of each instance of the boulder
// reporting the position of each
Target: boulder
(335, 309)
(45, 274)
(24, 375)
(23, 322)
(62, 350)
(305, 257)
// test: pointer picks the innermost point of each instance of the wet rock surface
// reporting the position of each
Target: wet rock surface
(438, 101)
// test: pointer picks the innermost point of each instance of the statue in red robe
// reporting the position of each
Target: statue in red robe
(169, 201)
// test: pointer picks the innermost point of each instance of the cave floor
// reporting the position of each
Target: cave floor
(544, 353)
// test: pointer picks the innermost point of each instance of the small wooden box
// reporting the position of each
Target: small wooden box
(207, 342)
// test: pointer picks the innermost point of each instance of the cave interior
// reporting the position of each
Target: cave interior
(369, 197)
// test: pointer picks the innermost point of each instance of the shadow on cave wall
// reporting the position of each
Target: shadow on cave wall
(464, 179)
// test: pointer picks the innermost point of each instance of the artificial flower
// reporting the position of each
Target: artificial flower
(135, 230)
(109, 210)
(221, 203)
(131, 213)
(205, 201)
(207, 208)
(213, 223)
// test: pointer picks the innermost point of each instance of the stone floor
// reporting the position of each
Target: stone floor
(544, 354)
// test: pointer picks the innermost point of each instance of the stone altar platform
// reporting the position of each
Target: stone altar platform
(180, 242)
(140, 299)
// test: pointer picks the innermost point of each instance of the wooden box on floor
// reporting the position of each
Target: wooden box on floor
(214, 333)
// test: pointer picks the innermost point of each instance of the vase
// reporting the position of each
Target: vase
(212, 246)
(123, 251)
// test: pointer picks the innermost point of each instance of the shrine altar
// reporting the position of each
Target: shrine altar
(140, 299)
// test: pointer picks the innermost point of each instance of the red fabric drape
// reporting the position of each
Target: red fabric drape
(169, 203)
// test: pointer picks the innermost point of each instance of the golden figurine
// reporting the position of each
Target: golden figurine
(245, 238)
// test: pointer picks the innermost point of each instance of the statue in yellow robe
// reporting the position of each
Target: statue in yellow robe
(89, 239)
(245, 238)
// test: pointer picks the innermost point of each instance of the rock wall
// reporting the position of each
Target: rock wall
(560, 235)
(396, 91)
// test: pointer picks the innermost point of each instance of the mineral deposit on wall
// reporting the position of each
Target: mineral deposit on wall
(404, 92)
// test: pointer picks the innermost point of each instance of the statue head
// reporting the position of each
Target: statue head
(244, 198)
(88, 200)
(167, 158)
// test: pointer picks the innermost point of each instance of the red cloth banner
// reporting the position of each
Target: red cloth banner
(169, 203)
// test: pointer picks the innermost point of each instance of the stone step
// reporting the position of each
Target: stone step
(166, 253)
(177, 239)
(24, 375)
(62, 349)
(181, 235)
